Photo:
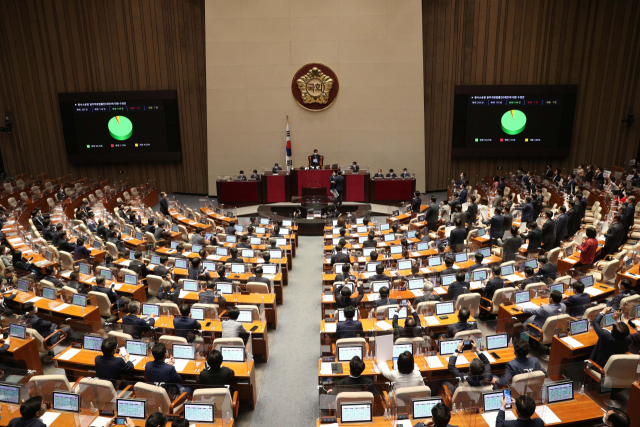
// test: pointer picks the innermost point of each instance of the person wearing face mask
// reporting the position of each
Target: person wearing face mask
(616, 418)
(463, 179)
(625, 291)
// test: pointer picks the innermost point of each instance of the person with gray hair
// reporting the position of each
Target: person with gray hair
(428, 294)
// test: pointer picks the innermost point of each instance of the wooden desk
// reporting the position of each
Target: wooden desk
(189, 223)
(269, 301)
(134, 292)
(634, 402)
(25, 353)
(377, 422)
(82, 320)
(259, 337)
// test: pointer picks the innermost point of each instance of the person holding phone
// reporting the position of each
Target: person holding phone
(609, 343)
(525, 408)
(479, 369)
(411, 324)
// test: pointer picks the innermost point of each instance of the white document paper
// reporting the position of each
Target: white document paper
(486, 261)
(547, 415)
(440, 290)
(513, 278)
(325, 368)
(330, 327)
(434, 362)
(490, 417)
(181, 364)
(476, 284)
(118, 286)
(384, 325)
(417, 292)
(125, 263)
(384, 347)
(100, 422)
(416, 254)
(68, 355)
(489, 357)
(327, 298)
(61, 307)
(49, 417)
(461, 360)
(373, 297)
(186, 253)
(431, 320)
(527, 305)
(34, 299)
(426, 270)
(592, 291)
(135, 359)
(572, 342)
(401, 423)
(183, 294)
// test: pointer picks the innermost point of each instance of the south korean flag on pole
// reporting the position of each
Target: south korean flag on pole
(288, 148)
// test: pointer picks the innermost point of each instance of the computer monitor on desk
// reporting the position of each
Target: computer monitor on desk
(132, 408)
(48, 293)
(354, 412)
(404, 264)
(199, 413)
(447, 279)
(497, 341)
(269, 268)
(434, 261)
(346, 353)
(449, 346)
(443, 308)
(66, 402)
(506, 270)
(232, 354)
(92, 343)
(17, 331)
(341, 317)
(395, 249)
(561, 392)
(421, 408)
(224, 288)
(9, 394)
(479, 275)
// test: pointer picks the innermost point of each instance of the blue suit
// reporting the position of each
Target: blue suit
(111, 367)
(133, 325)
(575, 303)
(496, 223)
(349, 328)
(561, 229)
(527, 212)
(160, 372)
(184, 325)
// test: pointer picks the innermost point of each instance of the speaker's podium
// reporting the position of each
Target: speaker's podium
(314, 191)
(276, 186)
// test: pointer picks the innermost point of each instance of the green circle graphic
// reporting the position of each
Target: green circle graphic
(120, 128)
(513, 122)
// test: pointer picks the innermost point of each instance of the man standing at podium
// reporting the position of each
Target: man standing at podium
(315, 160)
(339, 187)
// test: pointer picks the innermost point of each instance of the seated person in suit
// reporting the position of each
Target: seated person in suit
(110, 366)
(547, 270)
(64, 244)
(48, 230)
(427, 290)
(74, 284)
(276, 168)
(520, 364)
(355, 378)
(379, 274)
(198, 238)
(406, 375)
(422, 238)
(133, 325)
(211, 294)
(234, 258)
(244, 242)
(44, 327)
(576, 302)
(258, 277)
(315, 160)
(405, 174)
(216, 375)
(31, 410)
(232, 328)
(179, 252)
(391, 174)
(411, 324)
(343, 296)
(448, 262)
(196, 272)
(138, 265)
(609, 343)
(378, 174)
(345, 276)
(479, 369)
(339, 256)
(161, 269)
(150, 227)
(49, 271)
(349, 328)
(184, 325)
(354, 167)
(543, 312)
(166, 293)
(458, 287)
(525, 408)
(80, 252)
(462, 324)
(113, 297)
(478, 257)
(384, 297)
(242, 176)
(530, 278)
(255, 175)
(371, 241)
(231, 229)
(441, 415)
(625, 290)
(159, 371)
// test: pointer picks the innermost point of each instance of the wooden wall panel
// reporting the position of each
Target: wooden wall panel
(98, 46)
(591, 43)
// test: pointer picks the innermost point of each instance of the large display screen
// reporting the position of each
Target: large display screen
(509, 121)
(121, 126)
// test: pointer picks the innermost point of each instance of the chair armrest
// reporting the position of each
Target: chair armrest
(446, 396)
(178, 401)
(236, 404)
(541, 334)
(44, 341)
(595, 365)
(333, 348)
(127, 389)
(76, 383)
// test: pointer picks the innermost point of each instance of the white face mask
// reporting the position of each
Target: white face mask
(604, 418)
(35, 309)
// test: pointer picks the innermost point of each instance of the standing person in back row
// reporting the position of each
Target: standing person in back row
(164, 204)
(339, 186)
(431, 216)
(416, 203)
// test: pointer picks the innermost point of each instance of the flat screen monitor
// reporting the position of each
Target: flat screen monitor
(198, 413)
(404, 264)
(137, 348)
(461, 257)
(506, 270)
(149, 309)
(447, 279)
(261, 230)
(232, 354)
(402, 314)
(587, 280)
(492, 401)
(66, 402)
(9, 394)
(379, 284)
(362, 239)
(131, 279)
(155, 260)
(479, 275)
(197, 313)
(92, 343)
(209, 265)
(361, 229)
(356, 413)
(359, 220)
(224, 288)
(269, 268)
(238, 268)
(435, 261)
(395, 249)
(287, 223)
(281, 242)
(175, 229)
(421, 408)
(23, 286)
(422, 246)
(505, 121)
(568, 251)
(579, 327)
(522, 297)
(255, 241)
(390, 237)
(231, 238)
(174, 244)
(248, 253)
(48, 293)
(481, 232)
(196, 248)
(497, 341)
(533, 263)
(609, 320)
(411, 234)
(448, 346)
(384, 227)
(264, 221)
(238, 227)
(222, 251)
(139, 235)
(443, 308)
(180, 263)
(341, 317)
(190, 285)
(275, 253)
(346, 353)
(560, 392)
(366, 252)
(84, 269)
(557, 287)
(106, 273)
(414, 284)
(132, 408)
(371, 266)
(246, 316)
(182, 351)
(79, 300)
(486, 252)
(17, 331)
(398, 349)
(337, 267)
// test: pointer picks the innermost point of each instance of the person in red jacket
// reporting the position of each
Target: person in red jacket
(588, 249)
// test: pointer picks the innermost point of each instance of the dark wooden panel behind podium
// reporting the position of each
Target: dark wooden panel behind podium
(314, 191)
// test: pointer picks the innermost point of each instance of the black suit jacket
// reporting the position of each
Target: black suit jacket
(135, 326)
(217, 377)
(339, 183)
(561, 226)
(457, 288)
(340, 257)
(457, 236)
(548, 271)
(473, 380)
(342, 302)
(44, 327)
(472, 213)
(355, 168)
(112, 367)
(496, 223)
(370, 243)
(416, 203)
(607, 345)
(531, 422)
(349, 328)
(548, 236)
(535, 238)
(614, 237)
(164, 206)
(572, 214)
(492, 286)
(184, 325)
(431, 215)
(508, 221)
(365, 383)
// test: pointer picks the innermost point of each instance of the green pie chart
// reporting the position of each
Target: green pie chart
(513, 122)
(120, 128)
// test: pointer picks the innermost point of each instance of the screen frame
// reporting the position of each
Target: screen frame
(495, 348)
(53, 401)
(209, 405)
(413, 406)
(355, 404)
(144, 406)
(560, 384)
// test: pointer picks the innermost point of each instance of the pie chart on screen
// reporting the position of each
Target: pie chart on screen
(513, 122)
(120, 128)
